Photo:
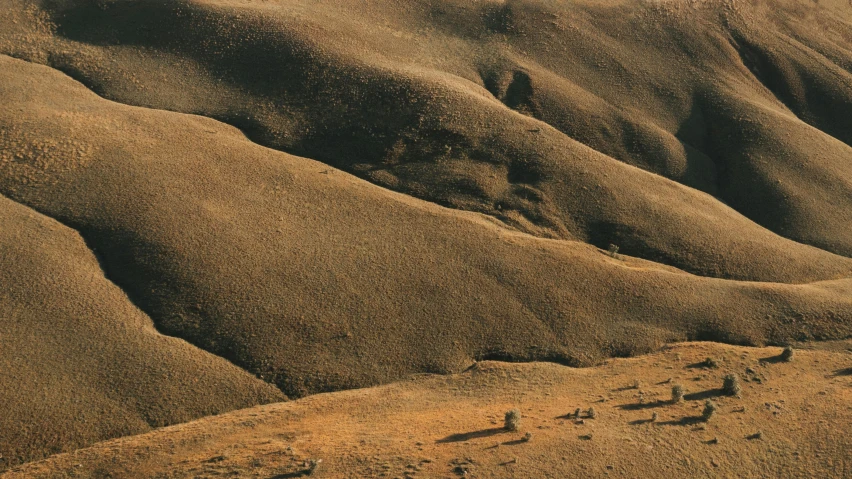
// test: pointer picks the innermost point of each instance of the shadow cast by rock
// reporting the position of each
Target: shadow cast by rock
(515, 442)
(641, 421)
(710, 393)
(841, 372)
(772, 359)
(684, 421)
(466, 436)
(641, 406)
(702, 365)
(625, 388)
(290, 475)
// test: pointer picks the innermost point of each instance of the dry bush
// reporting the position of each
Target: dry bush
(512, 420)
(709, 410)
(677, 393)
(731, 385)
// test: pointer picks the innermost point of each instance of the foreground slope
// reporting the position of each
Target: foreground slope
(432, 427)
(79, 363)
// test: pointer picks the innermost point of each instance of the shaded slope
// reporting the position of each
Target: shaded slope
(318, 281)
(424, 103)
(79, 363)
(431, 427)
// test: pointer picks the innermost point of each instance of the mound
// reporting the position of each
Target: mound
(489, 107)
(452, 426)
(79, 363)
(317, 281)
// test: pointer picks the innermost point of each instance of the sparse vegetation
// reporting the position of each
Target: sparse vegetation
(709, 410)
(311, 465)
(512, 420)
(613, 251)
(710, 363)
(380, 209)
(677, 393)
(731, 385)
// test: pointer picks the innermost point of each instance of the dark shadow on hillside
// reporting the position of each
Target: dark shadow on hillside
(701, 365)
(640, 421)
(466, 436)
(641, 406)
(625, 388)
(516, 442)
(684, 421)
(841, 372)
(772, 359)
(302, 473)
(710, 393)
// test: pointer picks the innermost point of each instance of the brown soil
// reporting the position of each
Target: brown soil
(788, 422)
(207, 205)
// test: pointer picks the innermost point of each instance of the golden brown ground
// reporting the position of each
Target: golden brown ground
(441, 426)
(209, 205)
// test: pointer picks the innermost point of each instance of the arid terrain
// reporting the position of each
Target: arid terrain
(237, 236)
(789, 421)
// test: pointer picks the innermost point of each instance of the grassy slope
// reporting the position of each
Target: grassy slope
(712, 139)
(431, 426)
(79, 362)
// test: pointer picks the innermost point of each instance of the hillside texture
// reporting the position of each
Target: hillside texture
(208, 205)
(452, 426)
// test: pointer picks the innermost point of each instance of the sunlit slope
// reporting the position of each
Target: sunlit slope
(79, 363)
(315, 280)
(529, 111)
